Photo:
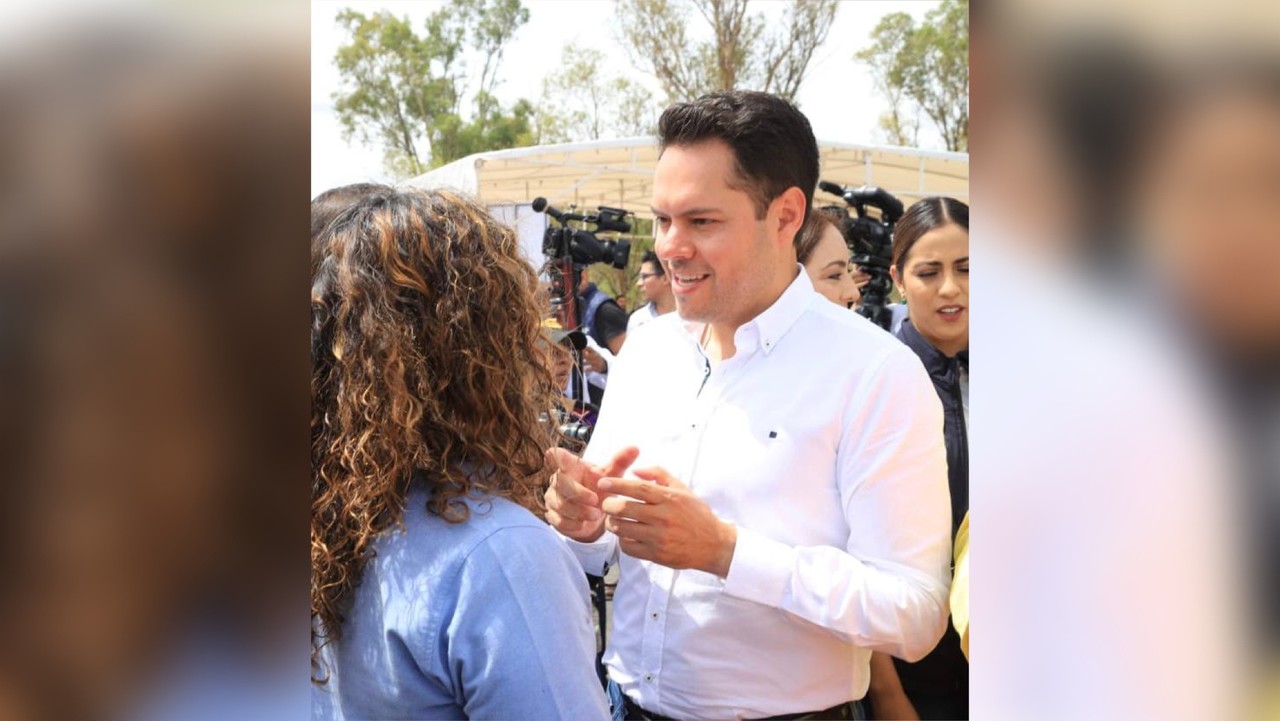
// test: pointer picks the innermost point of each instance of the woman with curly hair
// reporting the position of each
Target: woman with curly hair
(436, 589)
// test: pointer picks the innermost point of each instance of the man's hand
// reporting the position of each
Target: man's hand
(573, 505)
(594, 361)
(659, 519)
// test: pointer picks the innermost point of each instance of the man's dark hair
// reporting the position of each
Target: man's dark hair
(772, 142)
(652, 258)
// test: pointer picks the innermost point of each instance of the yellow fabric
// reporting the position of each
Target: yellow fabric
(1268, 700)
(960, 586)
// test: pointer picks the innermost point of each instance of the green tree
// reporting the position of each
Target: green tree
(492, 128)
(923, 70)
(581, 103)
(405, 91)
(743, 52)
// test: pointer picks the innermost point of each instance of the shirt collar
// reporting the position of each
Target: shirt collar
(765, 330)
(778, 318)
(938, 364)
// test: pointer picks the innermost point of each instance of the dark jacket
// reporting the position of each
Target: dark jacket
(945, 374)
(938, 685)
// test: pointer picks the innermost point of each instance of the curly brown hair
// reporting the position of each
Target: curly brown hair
(427, 364)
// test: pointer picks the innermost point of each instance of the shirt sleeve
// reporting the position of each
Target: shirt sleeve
(887, 589)
(595, 557)
(600, 379)
(607, 438)
(519, 641)
(635, 319)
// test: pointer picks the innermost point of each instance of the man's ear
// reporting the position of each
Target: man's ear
(789, 213)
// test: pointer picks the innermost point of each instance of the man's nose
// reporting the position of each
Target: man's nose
(671, 245)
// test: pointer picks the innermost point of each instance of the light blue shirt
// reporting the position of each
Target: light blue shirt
(486, 619)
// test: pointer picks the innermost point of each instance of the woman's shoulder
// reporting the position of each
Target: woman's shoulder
(499, 522)
(492, 522)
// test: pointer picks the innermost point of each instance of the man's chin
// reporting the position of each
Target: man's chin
(688, 315)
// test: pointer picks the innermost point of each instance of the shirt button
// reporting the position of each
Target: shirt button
(654, 615)
(648, 677)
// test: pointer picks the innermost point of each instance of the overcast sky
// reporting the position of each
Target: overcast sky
(837, 94)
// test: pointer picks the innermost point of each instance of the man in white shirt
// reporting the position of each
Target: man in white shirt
(786, 508)
(655, 287)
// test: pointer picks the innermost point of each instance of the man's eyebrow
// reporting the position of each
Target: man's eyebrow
(690, 211)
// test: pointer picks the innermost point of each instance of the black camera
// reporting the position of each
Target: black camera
(581, 244)
(870, 242)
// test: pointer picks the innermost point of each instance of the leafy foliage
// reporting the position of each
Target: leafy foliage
(400, 87)
(580, 103)
(744, 52)
(923, 70)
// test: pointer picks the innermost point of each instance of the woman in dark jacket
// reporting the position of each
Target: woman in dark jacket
(931, 270)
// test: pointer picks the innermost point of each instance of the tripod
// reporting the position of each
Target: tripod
(566, 277)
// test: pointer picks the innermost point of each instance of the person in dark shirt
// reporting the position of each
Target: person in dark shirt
(605, 323)
(931, 270)
(602, 318)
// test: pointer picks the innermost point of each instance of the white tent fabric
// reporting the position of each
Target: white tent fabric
(619, 173)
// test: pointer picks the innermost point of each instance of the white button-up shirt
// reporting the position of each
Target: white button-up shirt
(821, 441)
(642, 315)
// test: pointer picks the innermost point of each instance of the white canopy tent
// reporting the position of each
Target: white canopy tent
(619, 173)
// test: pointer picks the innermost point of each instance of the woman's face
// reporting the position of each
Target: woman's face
(935, 282)
(830, 270)
(561, 365)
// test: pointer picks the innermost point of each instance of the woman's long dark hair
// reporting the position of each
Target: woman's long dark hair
(923, 216)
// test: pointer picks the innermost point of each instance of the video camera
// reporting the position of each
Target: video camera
(870, 242)
(569, 250)
(581, 245)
